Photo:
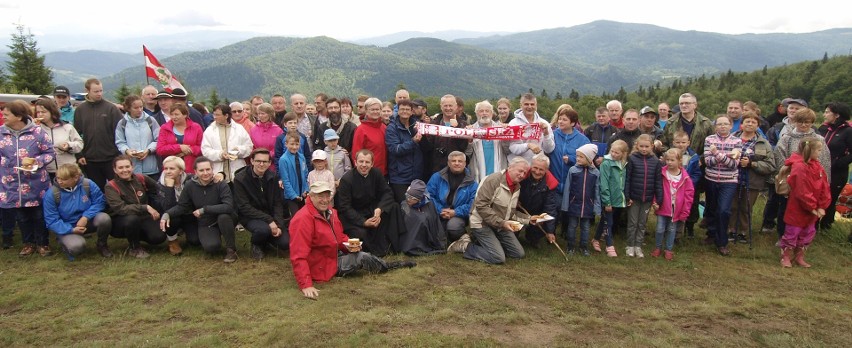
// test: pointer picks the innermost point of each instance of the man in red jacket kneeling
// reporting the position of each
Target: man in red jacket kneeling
(319, 249)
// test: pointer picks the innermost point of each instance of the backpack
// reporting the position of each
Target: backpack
(55, 190)
(782, 187)
(139, 177)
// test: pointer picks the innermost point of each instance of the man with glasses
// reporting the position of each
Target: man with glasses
(61, 95)
(261, 209)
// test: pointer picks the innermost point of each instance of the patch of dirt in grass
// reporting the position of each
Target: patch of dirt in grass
(9, 309)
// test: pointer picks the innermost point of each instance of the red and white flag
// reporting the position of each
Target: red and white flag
(157, 71)
(521, 132)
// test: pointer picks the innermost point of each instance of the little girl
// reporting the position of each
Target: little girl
(644, 189)
(580, 201)
(676, 202)
(612, 193)
(321, 171)
(809, 197)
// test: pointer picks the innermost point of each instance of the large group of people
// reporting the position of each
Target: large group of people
(339, 189)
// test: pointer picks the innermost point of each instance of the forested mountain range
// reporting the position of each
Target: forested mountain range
(599, 57)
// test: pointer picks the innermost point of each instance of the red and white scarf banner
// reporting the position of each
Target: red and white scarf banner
(522, 132)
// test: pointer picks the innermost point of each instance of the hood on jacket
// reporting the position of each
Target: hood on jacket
(27, 128)
(519, 114)
(129, 118)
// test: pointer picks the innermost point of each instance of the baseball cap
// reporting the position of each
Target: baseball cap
(330, 134)
(320, 187)
(61, 90)
(319, 155)
(647, 109)
(419, 102)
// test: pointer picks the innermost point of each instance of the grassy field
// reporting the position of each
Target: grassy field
(700, 299)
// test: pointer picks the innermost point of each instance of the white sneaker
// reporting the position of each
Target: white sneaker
(630, 251)
(638, 251)
(459, 246)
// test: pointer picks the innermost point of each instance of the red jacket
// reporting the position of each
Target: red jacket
(808, 191)
(314, 242)
(371, 135)
(167, 144)
(684, 192)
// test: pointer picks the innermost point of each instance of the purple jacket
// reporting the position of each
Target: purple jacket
(19, 188)
(683, 193)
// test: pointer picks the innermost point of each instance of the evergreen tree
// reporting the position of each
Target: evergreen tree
(543, 93)
(122, 92)
(214, 97)
(558, 96)
(26, 66)
(622, 94)
(574, 95)
(825, 58)
(531, 91)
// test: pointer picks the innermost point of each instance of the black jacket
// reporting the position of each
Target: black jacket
(258, 198)
(541, 197)
(346, 135)
(838, 138)
(643, 180)
(215, 198)
(358, 196)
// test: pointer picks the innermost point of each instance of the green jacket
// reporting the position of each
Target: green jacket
(612, 183)
(703, 128)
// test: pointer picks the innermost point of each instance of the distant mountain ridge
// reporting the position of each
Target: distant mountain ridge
(597, 57)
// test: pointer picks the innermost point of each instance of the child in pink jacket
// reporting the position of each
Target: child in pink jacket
(678, 193)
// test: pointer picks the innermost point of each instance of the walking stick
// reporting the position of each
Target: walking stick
(545, 232)
(748, 211)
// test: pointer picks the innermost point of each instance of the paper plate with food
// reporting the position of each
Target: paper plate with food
(542, 217)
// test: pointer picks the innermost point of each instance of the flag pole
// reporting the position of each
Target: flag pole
(145, 66)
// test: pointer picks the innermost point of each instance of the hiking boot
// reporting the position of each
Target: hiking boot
(724, 251)
(742, 239)
(767, 229)
(256, 252)
(786, 255)
(459, 246)
(570, 251)
(103, 249)
(800, 258)
(27, 250)
(596, 245)
(401, 264)
(656, 252)
(610, 251)
(44, 250)
(138, 252)
(239, 228)
(7, 242)
(230, 256)
(630, 251)
(586, 252)
(669, 255)
(174, 247)
(732, 237)
(638, 251)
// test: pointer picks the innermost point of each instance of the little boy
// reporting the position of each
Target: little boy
(290, 123)
(581, 200)
(338, 159)
(293, 170)
(690, 161)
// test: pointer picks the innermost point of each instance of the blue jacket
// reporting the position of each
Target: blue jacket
(66, 113)
(291, 179)
(72, 205)
(439, 187)
(405, 160)
(693, 168)
(281, 148)
(139, 134)
(582, 198)
(644, 182)
(566, 144)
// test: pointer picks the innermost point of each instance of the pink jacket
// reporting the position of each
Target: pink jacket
(264, 134)
(683, 196)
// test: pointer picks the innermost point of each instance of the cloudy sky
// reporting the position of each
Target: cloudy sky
(351, 20)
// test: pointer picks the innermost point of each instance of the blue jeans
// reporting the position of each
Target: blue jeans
(571, 232)
(666, 230)
(720, 197)
(606, 222)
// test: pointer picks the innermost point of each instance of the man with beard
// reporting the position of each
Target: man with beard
(366, 206)
(419, 111)
(279, 104)
(345, 130)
